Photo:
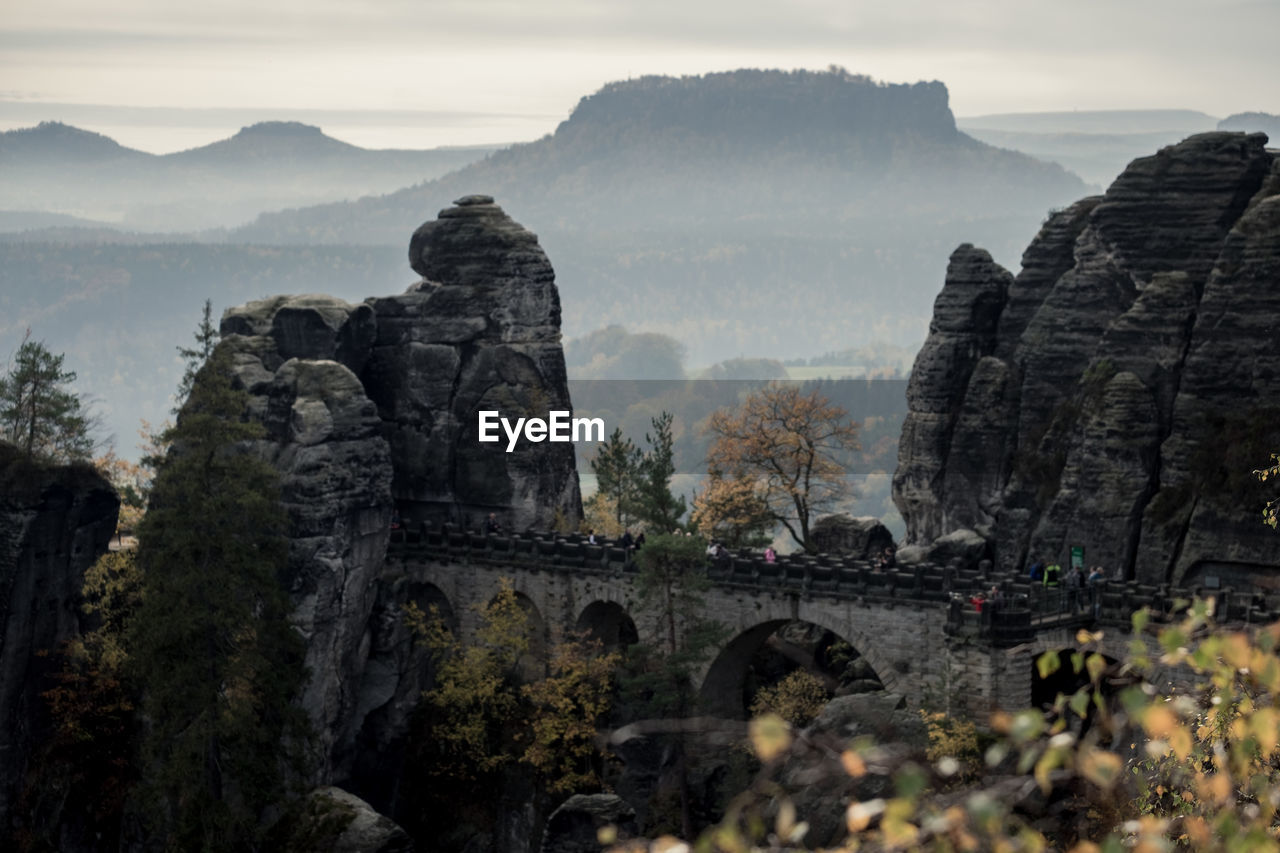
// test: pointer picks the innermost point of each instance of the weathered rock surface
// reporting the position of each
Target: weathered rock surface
(813, 776)
(1082, 402)
(335, 821)
(849, 536)
(575, 826)
(370, 410)
(54, 522)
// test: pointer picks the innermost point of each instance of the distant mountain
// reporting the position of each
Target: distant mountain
(20, 221)
(1096, 145)
(1095, 121)
(55, 168)
(1254, 122)
(751, 212)
(55, 143)
(1096, 157)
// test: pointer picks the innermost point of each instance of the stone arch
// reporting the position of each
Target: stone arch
(609, 622)
(532, 665)
(1066, 681)
(426, 595)
(722, 690)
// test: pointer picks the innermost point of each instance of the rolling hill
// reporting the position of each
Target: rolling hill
(56, 168)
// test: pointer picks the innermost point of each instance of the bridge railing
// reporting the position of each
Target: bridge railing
(1027, 607)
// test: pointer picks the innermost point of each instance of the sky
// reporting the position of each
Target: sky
(421, 73)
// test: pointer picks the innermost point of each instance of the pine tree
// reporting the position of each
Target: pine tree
(616, 466)
(214, 653)
(207, 336)
(655, 504)
(37, 411)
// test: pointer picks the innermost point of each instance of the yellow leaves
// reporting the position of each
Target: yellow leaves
(896, 825)
(1213, 787)
(770, 736)
(1263, 726)
(1159, 721)
(1100, 767)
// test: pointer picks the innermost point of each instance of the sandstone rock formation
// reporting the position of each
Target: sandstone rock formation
(1116, 393)
(574, 827)
(335, 821)
(54, 522)
(370, 410)
(855, 537)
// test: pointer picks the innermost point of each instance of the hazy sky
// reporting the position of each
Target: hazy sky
(468, 71)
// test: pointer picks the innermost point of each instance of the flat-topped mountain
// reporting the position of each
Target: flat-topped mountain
(1118, 393)
(267, 141)
(723, 208)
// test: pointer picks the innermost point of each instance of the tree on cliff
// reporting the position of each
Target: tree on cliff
(207, 337)
(38, 413)
(789, 445)
(216, 657)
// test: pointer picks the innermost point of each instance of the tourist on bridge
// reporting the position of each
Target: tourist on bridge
(1052, 576)
(770, 555)
(1074, 582)
(491, 525)
(1036, 572)
(626, 541)
(1095, 591)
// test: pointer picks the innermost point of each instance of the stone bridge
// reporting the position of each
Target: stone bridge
(913, 625)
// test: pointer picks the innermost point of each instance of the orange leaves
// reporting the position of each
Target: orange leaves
(788, 447)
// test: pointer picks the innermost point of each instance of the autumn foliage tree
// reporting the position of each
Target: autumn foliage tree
(732, 511)
(789, 446)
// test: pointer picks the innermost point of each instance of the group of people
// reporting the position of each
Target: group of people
(626, 541)
(1075, 582)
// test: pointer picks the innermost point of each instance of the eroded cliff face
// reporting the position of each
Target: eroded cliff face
(54, 522)
(1119, 390)
(371, 409)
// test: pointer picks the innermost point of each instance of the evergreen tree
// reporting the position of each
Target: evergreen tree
(207, 336)
(617, 467)
(37, 411)
(213, 650)
(654, 502)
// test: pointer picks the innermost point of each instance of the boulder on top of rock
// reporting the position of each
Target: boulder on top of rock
(575, 826)
(332, 820)
(848, 536)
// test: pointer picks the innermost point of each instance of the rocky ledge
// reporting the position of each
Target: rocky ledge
(1118, 392)
(54, 522)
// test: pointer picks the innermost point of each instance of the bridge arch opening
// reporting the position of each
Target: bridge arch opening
(764, 654)
(610, 623)
(532, 665)
(1065, 681)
